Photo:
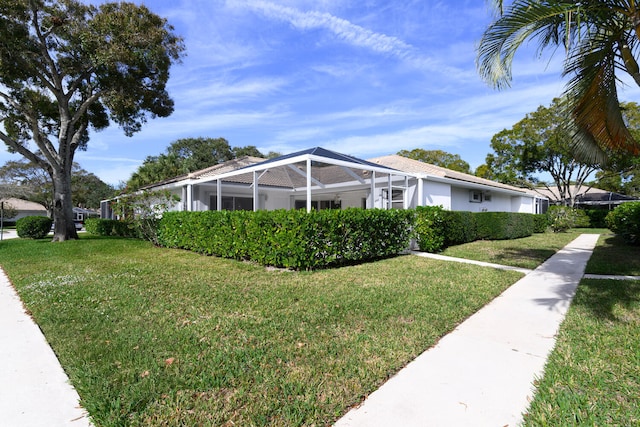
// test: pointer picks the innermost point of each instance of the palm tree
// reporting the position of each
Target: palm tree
(601, 38)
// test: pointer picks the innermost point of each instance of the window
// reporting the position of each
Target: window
(232, 203)
(487, 196)
(475, 196)
(318, 204)
(397, 197)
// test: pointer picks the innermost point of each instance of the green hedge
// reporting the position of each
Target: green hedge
(459, 227)
(110, 227)
(33, 227)
(540, 223)
(290, 238)
(503, 225)
(429, 228)
(437, 228)
(625, 221)
(597, 217)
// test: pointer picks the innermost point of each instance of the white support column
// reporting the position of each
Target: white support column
(219, 195)
(189, 197)
(420, 192)
(256, 199)
(405, 193)
(390, 192)
(308, 185)
(373, 189)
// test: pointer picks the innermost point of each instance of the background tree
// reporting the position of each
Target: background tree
(184, 156)
(438, 158)
(88, 190)
(26, 180)
(66, 66)
(601, 40)
(539, 143)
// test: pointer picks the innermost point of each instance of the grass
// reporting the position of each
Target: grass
(614, 256)
(154, 336)
(527, 252)
(592, 376)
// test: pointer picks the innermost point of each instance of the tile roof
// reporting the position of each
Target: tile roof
(25, 205)
(405, 164)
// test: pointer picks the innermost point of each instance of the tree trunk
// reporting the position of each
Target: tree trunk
(64, 227)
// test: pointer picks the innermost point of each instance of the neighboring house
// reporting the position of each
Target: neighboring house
(587, 197)
(322, 179)
(24, 208)
(81, 214)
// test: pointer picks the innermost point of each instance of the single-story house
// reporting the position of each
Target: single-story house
(587, 197)
(318, 178)
(24, 208)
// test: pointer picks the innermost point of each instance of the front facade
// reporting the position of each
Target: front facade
(322, 179)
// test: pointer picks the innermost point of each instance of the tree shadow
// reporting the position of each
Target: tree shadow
(601, 297)
(528, 257)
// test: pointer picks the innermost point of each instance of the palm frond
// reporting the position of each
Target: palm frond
(592, 100)
(546, 21)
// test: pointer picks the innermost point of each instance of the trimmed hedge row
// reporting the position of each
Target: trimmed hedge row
(437, 228)
(625, 221)
(110, 227)
(290, 238)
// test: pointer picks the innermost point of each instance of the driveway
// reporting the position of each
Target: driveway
(9, 234)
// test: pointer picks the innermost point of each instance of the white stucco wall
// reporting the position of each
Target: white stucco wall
(437, 194)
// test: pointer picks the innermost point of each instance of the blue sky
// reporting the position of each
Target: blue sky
(365, 78)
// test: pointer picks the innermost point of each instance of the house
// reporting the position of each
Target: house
(586, 197)
(24, 208)
(318, 178)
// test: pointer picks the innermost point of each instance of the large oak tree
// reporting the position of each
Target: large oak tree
(65, 67)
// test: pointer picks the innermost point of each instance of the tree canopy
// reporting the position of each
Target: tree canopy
(600, 38)
(66, 67)
(438, 158)
(28, 181)
(538, 143)
(184, 156)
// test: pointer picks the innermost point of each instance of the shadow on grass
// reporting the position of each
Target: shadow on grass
(524, 255)
(603, 298)
(614, 256)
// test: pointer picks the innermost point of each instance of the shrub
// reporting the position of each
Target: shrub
(561, 218)
(33, 227)
(625, 221)
(429, 228)
(581, 219)
(290, 238)
(540, 223)
(597, 217)
(459, 227)
(503, 225)
(110, 227)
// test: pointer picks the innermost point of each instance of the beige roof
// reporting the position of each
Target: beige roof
(554, 194)
(415, 166)
(24, 205)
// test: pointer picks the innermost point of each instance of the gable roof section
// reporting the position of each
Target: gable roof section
(320, 152)
(25, 205)
(585, 194)
(415, 166)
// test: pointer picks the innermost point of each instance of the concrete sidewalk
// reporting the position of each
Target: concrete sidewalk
(34, 389)
(482, 373)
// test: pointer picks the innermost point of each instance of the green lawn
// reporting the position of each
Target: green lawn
(527, 252)
(592, 377)
(154, 336)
